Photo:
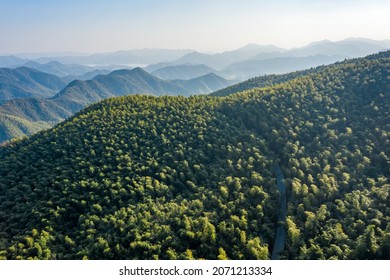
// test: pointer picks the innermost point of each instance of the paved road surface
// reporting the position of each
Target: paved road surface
(281, 229)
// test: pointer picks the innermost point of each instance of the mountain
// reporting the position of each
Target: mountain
(182, 72)
(25, 82)
(346, 48)
(117, 83)
(312, 55)
(87, 76)
(221, 60)
(278, 65)
(203, 84)
(123, 58)
(264, 81)
(59, 69)
(253, 60)
(144, 177)
(39, 113)
(21, 117)
(10, 61)
(154, 67)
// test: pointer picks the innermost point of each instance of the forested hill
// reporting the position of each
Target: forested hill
(261, 82)
(144, 177)
(24, 116)
(21, 117)
(331, 132)
(139, 177)
(270, 80)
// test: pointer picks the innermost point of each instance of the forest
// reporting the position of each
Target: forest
(143, 177)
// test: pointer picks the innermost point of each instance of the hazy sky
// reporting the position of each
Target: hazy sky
(204, 25)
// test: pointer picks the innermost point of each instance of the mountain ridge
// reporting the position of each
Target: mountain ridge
(24, 82)
(183, 71)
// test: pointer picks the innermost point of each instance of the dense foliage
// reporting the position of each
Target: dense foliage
(331, 131)
(171, 177)
(139, 177)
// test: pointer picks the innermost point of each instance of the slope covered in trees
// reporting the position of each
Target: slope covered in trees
(24, 82)
(139, 177)
(264, 81)
(143, 177)
(330, 130)
(37, 113)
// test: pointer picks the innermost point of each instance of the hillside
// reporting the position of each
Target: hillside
(330, 131)
(183, 72)
(118, 83)
(10, 60)
(35, 110)
(87, 76)
(25, 82)
(138, 177)
(143, 177)
(264, 81)
(11, 126)
(79, 94)
(203, 84)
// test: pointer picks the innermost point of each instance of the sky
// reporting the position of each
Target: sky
(88, 26)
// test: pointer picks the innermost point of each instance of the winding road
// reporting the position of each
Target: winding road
(281, 229)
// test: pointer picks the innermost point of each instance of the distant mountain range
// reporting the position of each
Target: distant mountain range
(46, 90)
(59, 69)
(253, 60)
(204, 84)
(87, 76)
(11, 61)
(183, 72)
(24, 116)
(315, 54)
(242, 63)
(276, 65)
(123, 58)
(220, 60)
(26, 82)
(118, 83)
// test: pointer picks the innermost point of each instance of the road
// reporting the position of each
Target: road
(280, 237)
